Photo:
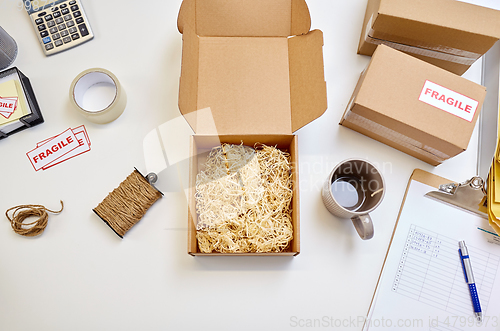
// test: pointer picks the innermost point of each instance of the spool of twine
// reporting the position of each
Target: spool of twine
(128, 203)
(21, 213)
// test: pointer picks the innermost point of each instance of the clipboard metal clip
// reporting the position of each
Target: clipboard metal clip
(468, 196)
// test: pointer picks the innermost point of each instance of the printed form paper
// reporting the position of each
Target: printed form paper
(422, 286)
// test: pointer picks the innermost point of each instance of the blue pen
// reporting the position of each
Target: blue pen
(469, 279)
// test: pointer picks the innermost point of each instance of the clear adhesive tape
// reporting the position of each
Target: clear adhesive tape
(92, 77)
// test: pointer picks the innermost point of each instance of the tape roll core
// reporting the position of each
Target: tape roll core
(106, 111)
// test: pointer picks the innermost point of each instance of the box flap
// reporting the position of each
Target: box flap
(245, 18)
(188, 82)
(307, 80)
(464, 26)
(245, 82)
(392, 89)
(301, 18)
(187, 17)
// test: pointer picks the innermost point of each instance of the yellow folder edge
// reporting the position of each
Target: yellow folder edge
(493, 207)
(497, 153)
(493, 187)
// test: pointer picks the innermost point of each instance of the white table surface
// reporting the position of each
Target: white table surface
(80, 276)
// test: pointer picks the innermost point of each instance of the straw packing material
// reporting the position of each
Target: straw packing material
(243, 200)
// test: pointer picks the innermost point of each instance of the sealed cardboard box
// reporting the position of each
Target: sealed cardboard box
(448, 33)
(413, 106)
(259, 69)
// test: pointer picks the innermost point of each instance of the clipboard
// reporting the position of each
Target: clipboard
(388, 269)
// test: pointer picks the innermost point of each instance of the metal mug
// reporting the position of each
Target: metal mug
(8, 49)
(363, 183)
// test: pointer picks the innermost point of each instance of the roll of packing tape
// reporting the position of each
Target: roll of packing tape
(97, 94)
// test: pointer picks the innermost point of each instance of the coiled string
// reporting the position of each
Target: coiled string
(21, 213)
(128, 203)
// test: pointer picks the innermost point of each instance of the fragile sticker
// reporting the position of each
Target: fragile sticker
(84, 146)
(448, 100)
(60, 148)
(5, 114)
(8, 106)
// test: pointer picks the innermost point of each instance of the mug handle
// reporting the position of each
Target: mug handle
(364, 225)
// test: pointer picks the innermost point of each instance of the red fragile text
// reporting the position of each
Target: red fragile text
(449, 100)
(6, 105)
(54, 148)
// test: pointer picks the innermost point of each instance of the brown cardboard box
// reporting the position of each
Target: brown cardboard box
(448, 33)
(260, 70)
(413, 106)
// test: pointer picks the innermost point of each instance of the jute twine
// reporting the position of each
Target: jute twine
(128, 203)
(21, 213)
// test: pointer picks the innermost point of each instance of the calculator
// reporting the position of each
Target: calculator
(59, 24)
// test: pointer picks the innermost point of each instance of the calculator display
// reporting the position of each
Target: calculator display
(37, 5)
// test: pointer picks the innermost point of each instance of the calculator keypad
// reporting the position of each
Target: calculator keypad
(62, 25)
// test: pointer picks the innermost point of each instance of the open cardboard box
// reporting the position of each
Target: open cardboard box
(450, 34)
(259, 70)
(202, 144)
